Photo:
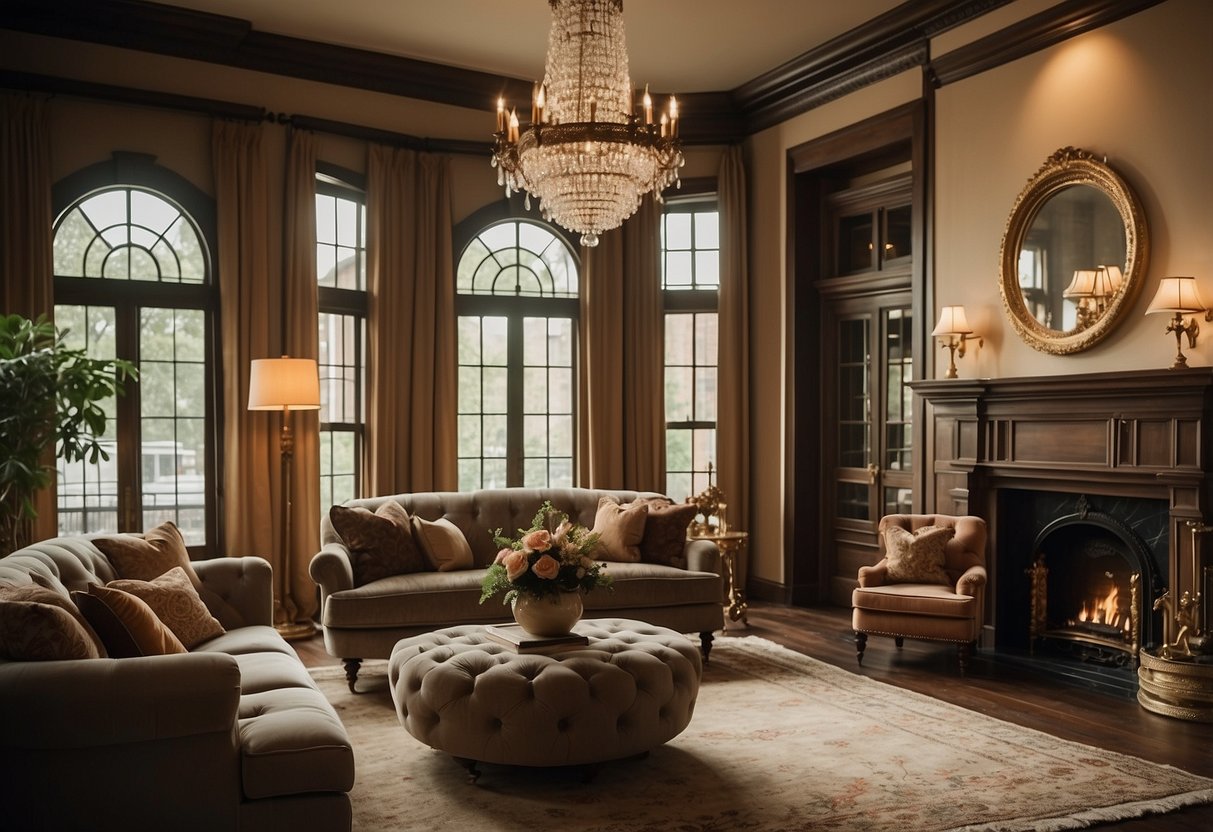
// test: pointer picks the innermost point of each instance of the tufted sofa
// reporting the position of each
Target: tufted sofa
(232, 735)
(362, 622)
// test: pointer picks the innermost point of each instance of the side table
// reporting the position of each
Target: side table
(732, 546)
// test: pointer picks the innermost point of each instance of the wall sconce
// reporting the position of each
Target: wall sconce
(954, 326)
(1082, 290)
(1179, 296)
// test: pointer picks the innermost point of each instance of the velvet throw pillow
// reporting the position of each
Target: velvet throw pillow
(380, 543)
(148, 557)
(35, 632)
(40, 593)
(917, 557)
(126, 623)
(665, 532)
(620, 530)
(176, 603)
(444, 545)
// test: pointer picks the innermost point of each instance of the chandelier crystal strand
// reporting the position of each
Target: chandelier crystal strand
(587, 155)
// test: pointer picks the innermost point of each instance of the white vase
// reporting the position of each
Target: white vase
(548, 615)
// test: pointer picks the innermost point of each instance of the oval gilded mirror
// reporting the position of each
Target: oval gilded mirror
(1073, 255)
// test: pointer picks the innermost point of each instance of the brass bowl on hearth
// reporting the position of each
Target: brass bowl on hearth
(1177, 687)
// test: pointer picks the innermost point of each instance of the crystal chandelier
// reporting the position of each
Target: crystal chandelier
(588, 155)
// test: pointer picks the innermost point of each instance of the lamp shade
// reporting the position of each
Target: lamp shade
(952, 321)
(1082, 285)
(1176, 294)
(1108, 280)
(284, 384)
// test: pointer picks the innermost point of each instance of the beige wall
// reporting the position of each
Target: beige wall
(1139, 91)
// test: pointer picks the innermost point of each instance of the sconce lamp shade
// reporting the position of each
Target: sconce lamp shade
(1107, 281)
(1082, 285)
(952, 321)
(284, 384)
(1176, 295)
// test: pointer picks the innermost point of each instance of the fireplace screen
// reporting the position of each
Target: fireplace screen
(1086, 593)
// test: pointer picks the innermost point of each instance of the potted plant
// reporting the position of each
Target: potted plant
(51, 397)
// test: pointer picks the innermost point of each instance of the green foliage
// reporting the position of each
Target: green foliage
(552, 556)
(51, 395)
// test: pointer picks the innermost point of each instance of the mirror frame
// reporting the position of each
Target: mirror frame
(1071, 166)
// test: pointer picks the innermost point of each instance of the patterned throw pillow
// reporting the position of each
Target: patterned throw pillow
(149, 557)
(380, 543)
(665, 531)
(917, 557)
(43, 591)
(620, 530)
(444, 545)
(126, 623)
(37, 631)
(176, 603)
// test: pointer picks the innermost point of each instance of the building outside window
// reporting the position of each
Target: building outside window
(517, 306)
(690, 247)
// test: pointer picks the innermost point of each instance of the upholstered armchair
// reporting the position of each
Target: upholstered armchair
(945, 605)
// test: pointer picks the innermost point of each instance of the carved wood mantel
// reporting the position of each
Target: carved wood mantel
(1133, 434)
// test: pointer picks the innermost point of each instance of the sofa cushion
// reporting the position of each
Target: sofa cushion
(665, 531)
(36, 631)
(45, 591)
(292, 742)
(444, 545)
(381, 543)
(255, 638)
(261, 672)
(126, 624)
(150, 556)
(917, 557)
(620, 530)
(176, 603)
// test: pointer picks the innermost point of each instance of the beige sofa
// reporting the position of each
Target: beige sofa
(362, 622)
(232, 735)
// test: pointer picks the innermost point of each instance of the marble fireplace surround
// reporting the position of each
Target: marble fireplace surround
(1022, 451)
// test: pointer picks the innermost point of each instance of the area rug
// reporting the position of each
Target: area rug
(778, 741)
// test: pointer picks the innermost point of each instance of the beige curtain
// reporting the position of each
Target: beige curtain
(411, 364)
(600, 365)
(733, 392)
(250, 291)
(26, 258)
(643, 351)
(301, 339)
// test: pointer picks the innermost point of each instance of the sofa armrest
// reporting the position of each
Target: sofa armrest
(245, 584)
(972, 582)
(877, 575)
(332, 569)
(703, 556)
(100, 702)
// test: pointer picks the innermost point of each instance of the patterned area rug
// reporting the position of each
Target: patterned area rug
(779, 741)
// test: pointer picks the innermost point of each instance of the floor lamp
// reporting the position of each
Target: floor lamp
(285, 384)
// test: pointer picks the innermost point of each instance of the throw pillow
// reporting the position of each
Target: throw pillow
(149, 557)
(917, 557)
(665, 532)
(126, 623)
(37, 593)
(380, 543)
(37, 632)
(176, 603)
(443, 543)
(619, 529)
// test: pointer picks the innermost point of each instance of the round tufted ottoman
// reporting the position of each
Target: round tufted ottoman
(631, 689)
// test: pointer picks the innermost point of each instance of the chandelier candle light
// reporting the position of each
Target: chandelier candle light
(590, 152)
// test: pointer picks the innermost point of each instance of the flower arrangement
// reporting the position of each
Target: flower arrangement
(552, 556)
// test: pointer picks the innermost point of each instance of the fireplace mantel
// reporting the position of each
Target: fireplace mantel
(1134, 434)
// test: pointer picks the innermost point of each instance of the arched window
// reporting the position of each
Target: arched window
(517, 284)
(133, 281)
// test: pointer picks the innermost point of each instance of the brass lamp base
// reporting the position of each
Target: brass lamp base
(294, 630)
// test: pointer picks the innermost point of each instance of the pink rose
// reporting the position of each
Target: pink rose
(515, 564)
(546, 567)
(502, 555)
(537, 541)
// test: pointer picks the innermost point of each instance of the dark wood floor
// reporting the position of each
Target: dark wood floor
(991, 687)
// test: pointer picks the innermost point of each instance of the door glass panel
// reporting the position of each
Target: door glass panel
(853, 501)
(88, 491)
(897, 236)
(899, 397)
(898, 501)
(854, 419)
(855, 243)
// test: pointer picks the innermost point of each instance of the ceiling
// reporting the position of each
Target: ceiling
(673, 45)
